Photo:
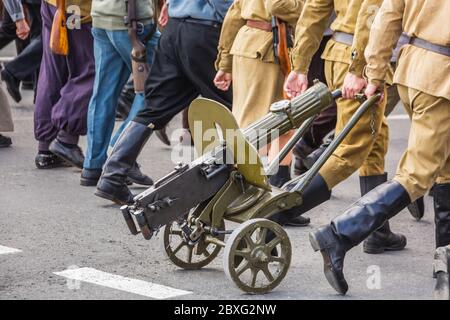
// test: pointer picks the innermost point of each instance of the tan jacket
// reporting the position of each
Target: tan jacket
(417, 68)
(238, 39)
(352, 16)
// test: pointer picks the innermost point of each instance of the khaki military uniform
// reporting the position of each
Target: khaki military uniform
(247, 53)
(360, 149)
(423, 79)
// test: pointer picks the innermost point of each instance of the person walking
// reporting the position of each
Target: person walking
(423, 81)
(112, 50)
(183, 69)
(63, 91)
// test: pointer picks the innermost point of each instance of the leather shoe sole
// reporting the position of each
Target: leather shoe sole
(109, 197)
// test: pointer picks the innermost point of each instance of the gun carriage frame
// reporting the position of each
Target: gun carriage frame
(258, 251)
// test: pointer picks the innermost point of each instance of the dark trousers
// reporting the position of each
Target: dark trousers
(183, 69)
(28, 60)
(326, 121)
(64, 86)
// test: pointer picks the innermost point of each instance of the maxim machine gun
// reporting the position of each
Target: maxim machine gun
(228, 182)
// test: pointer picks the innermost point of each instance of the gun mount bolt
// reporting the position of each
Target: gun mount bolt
(282, 205)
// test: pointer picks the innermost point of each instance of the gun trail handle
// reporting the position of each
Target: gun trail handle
(303, 183)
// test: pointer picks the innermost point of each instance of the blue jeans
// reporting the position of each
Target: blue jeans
(112, 49)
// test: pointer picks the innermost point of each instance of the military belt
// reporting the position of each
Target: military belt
(261, 25)
(342, 37)
(424, 44)
(209, 23)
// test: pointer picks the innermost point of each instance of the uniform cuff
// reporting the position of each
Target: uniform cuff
(299, 64)
(17, 16)
(224, 62)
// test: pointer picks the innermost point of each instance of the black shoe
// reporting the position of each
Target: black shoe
(112, 183)
(28, 85)
(316, 193)
(162, 135)
(300, 151)
(72, 154)
(282, 176)
(5, 141)
(12, 85)
(135, 175)
(299, 221)
(382, 239)
(49, 161)
(333, 252)
(309, 161)
(348, 230)
(442, 214)
(299, 167)
(90, 177)
(417, 209)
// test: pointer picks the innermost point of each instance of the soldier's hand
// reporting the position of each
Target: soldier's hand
(163, 16)
(222, 80)
(372, 90)
(352, 86)
(295, 84)
(22, 29)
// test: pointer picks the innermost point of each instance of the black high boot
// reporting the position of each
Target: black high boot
(383, 239)
(112, 184)
(349, 229)
(316, 193)
(442, 214)
(417, 209)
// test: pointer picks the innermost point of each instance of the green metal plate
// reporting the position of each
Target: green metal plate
(210, 123)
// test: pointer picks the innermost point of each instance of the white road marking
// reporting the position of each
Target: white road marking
(143, 288)
(398, 117)
(6, 250)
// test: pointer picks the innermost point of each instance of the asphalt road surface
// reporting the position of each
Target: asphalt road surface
(59, 241)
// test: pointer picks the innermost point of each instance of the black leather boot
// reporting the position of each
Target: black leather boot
(316, 193)
(5, 141)
(417, 209)
(112, 184)
(301, 150)
(282, 176)
(70, 153)
(315, 155)
(383, 239)
(442, 214)
(349, 229)
(135, 175)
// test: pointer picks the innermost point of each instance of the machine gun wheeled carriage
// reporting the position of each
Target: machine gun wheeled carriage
(228, 182)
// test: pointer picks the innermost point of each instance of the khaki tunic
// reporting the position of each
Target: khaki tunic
(247, 53)
(360, 149)
(428, 20)
(423, 79)
(6, 123)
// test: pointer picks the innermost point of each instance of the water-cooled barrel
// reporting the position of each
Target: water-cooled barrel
(287, 115)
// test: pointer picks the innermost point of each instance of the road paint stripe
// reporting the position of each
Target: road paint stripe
(143, 288)
(398, 117)
(6, 250)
